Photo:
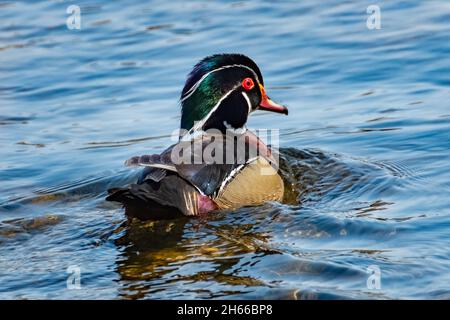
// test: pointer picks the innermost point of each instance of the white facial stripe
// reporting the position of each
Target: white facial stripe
(248, 102)
(200, 123)
(197, 84)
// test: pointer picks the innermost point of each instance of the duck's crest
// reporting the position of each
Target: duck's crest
(217, 61)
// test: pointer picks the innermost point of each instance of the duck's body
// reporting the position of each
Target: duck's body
(194, 189)
(218, 163)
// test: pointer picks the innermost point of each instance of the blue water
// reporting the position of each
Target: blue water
(367, 143)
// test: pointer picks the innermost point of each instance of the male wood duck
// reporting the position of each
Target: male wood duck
(220, 93)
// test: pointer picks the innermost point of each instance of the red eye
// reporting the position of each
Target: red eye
(248, 84)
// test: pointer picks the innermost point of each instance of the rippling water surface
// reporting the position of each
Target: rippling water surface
(366, 148)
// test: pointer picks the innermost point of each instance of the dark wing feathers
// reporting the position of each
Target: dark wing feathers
(153, 160)
(154, 174)
(171, 192)
(207, 178)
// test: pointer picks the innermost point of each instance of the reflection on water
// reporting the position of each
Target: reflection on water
(364, 150)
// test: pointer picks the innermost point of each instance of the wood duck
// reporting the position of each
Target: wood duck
(220, 93)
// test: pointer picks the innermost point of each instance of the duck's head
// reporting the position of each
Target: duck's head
(221, 92)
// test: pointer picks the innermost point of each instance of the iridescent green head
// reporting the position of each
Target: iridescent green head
(221, 92)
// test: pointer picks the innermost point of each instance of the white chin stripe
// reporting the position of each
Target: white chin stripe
(241, 130)
(248, 102)
(197, 84)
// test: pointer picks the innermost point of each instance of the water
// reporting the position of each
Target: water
(366, 148)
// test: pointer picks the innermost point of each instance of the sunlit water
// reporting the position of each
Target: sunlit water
(366, 148)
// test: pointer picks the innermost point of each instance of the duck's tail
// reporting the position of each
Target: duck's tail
(170, 197)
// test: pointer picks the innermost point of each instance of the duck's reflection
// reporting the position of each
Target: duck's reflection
(157, 253)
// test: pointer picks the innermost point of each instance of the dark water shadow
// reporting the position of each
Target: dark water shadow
(158, 253)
